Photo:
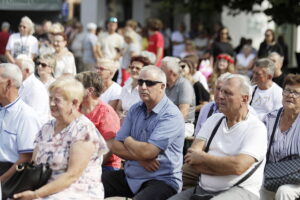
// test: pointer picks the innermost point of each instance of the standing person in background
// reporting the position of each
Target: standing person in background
(22, 42)
(178, 38)
(111, 43)
(89, 48)
(222, 45)
(4, 35)
(65, 61)
(269, 45)
(245, 60)
(132, 48)
(156, 40)
(76, 45)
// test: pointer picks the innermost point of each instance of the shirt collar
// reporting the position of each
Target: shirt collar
(10, 106)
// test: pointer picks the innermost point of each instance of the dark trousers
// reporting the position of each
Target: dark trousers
(115, 184)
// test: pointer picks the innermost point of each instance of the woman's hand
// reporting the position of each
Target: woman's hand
(26, 195)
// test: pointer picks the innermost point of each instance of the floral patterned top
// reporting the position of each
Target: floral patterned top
(55, 149)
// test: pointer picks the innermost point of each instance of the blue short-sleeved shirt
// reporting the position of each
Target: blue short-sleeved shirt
(162, 127)
(19, 125)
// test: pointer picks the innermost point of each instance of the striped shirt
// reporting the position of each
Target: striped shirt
(285, 143)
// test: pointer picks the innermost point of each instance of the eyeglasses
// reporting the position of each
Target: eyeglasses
(287, 92)
(42, 64)
(134, 67)
(148, 83)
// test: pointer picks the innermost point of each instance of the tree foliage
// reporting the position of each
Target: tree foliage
(281, 11)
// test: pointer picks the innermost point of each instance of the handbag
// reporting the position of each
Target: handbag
(208, 196)
(285, 171)
(28, 176)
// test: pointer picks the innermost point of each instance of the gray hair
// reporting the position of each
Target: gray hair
(30, 24)
(171, 63)
(277, 57)
(224, 77)
(266, 63)
(245, 84)
(5, 25)
(13, 72)
(26, 63)
(156, 71)
(151, 56)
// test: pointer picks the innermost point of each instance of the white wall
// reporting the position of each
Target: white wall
(93, 11)
(247, 25)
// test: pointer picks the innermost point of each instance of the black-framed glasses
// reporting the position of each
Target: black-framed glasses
(148, 83)
(42, 64)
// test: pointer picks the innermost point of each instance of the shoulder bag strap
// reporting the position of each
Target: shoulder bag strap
(213, 134)
(273, 133)
(248, 175)
(253, 95)
(211, 110)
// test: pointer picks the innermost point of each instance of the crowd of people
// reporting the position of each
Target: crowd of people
(114, 115)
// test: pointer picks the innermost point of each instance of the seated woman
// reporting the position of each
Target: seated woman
(101, 114)
(286, 135)
(129, 94)
(71, 145)
(106, 68)
(45, 69)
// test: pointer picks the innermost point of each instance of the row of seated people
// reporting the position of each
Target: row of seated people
(152, 134)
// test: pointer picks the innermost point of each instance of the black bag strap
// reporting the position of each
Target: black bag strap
(273, 133)
(253, 95)
(211, 110)
(213, 134)
(248, 175)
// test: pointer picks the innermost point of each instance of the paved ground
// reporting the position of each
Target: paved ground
(116, 198)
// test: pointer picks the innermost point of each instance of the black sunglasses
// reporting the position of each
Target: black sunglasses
(43, 64)
(147, 82)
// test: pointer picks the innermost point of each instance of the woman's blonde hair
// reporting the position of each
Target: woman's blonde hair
(71, 88)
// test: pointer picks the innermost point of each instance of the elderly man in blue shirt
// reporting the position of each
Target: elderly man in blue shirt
(18, 122)
(151, 140)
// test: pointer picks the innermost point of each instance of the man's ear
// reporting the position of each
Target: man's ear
(245, 98)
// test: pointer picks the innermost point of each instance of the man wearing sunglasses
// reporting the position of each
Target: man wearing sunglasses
(151, 140)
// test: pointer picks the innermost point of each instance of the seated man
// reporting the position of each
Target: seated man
(180, 91)
(32, 90)
(267, 95)
(19, 123)
(238, 147)
(151, 140)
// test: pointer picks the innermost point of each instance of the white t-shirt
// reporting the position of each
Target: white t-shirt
(65, 65)
(109, 42)
(198, 76)
(112, 93)
(178, 48)
(34, 94)
(265, 101)
(246, 137)
(129, 96)
(27, 45)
